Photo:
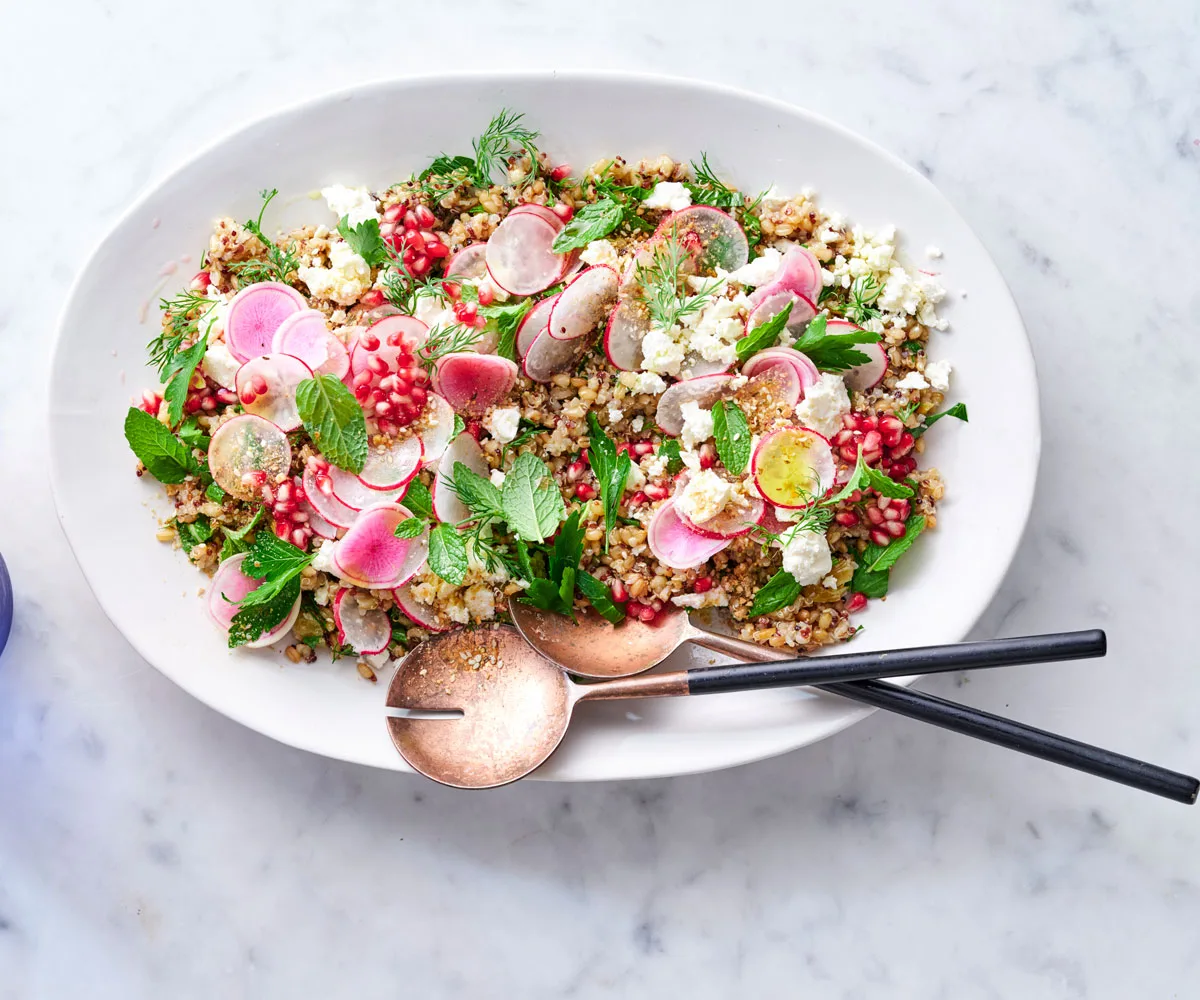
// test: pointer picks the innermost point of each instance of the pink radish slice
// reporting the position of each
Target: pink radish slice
(255, 313)
(799, 272)
(392, 467)
(793, 466)
(370, 555)
(695, 366)
(627, 325)
(277, 376)
(418, 555)
(357, 495)
(676, 545)
(421, 614)
(228, 586)
(542, 212)
(535, 321)
(721, 242)
(733, 522)
(470, 262)
(705, 390)
(547, 357)
(864, 377)
(803, 309)
(446, 504)
(363, 631)
(244, 446)
(772, 522)
(304, 335)
(474, 383)
(778, 359)
(321, 527)
(326, 504)
(436, 428)
(571, 263)
(584, 303)
(519, 258)
(394, 334)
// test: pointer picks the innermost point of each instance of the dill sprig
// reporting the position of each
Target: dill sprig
(708, 189)
(280, 261)
(182, 324)
(504, 136)
(445, 340)
(660, 283)
(860, 305)
(403, 289)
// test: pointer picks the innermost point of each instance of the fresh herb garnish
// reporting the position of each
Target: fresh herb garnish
(503, 317)
(443, 175)
(659, 283)
(669, 450)
(732, 435)
(365, 240)
(191, 434)
(276, 563)
(193, 533)
(418, 499)
(235, 538)
(410, 527)
(599, 596)
(709, 189)
(532, 502)
(481, 495)
(764, 335)
(871, 577)
(860, 307)
(334, 421)
(443, 340)
(253, 620)
(833, 352)
(180, 370)
(448, 554)
(958, 410)
(778, 592)
(165, 457)
(556, 591)
(280, 261)
(214, 493)
(593, 221)
(163, 347)
(458, 427)
(611, 469)
(525, 430)
(504, 136)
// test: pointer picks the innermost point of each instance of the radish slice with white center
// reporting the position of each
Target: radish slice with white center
(572, 263)
(364, 631)
(306, 336)
(519, 258)
(228, 586)
(386, 340)
(864, 377)
(733, 522)
(676, 545)
(318, 488)
(584, 303)
(446, 504)
(705, 390)
(421, 614)
(542, 212)
(357, 495)
(246, 452)
(793, 467)
(474, 383)
(535, 321)
(469, 262)
(321, 526)
(255, 313)
(694, 366)
(803, 371)
(799, 272)
(775, 301)
(436, 428)
(266, 386)
(370, 555)
(392, 466)
(627, 325)
(548, 357)
(718, 239)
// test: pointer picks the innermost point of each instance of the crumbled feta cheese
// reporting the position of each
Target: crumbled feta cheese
(354, 203)
(346, 278)
(637, 423)
(497, 478)
(668, 194)
(456, 611)
(615, 413)
(938, 374)
(824, 405)
(655, 466)
(323, 560)
(704, 497)
(913, 380)
(830, 582)
(377, 660)
(502, 423)
(759, 271)
(933, 253)
(690, 459)
(714, 331)
(913, 295)
(697, 424)
(642, 383)
(600, 252)
(661, 352)
(480, 602)
(432, 310)
(714, 598)
(219, 365)
(806, 556)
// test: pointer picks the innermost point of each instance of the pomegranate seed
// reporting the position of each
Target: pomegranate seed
(891, 514)
(576, 469)
(874, 515)
(643, 448)
(410, 220)
(848, 453)
(475, 429)
(436, 249)
(561, 172)
(564, 212)
(872, 442)
(452, 289)
(625, 448)
(702, 584)
(421, 265)
(418, 395)
(708, 456)
(904, 445)
(248, 396)
(850, 422)
(638, 499)
(867, 423)
(192, 404)
(881, 538)
(226, 396)
(376, 364)
(201, 280)
(846, 518)
(656, 491)
(208, 404)
(856, 603)
(585, 491)
(487, 295)
(425, 218)
(894, 528)
(369, 342)
(843, 437)
(618, 590)
(392, 213)
(371, 299)
(903, 507)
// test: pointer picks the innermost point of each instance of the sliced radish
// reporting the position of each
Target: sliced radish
(306, 336)
(364, 631)
(799, 272)
(255, 313)
(318, 488)
(732, 522)
(421, 614)
(714, 237)
(446, 504)
(418, 555)
(469, 262)
(775, 301)
(519, 258)
(321, 526)
(370, 555)
(228, 586)
(242, 448)
(357, 495)
(777, 359)
(676, 545)
(627, 325)
(436, 428)
(266, 386)
(392, 466)
(864, 377)
(474, 383)
(571, 263)
(772, 522)
(535, 321)
(547, 357)
(542, 212)
(793, 466)
(705, 390)
(584, 303)
(694, 366)
(386, 340)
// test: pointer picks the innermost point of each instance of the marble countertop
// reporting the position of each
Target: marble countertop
(149, 847)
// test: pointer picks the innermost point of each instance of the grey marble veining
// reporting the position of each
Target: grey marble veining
(151, 848)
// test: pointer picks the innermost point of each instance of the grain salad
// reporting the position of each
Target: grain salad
(624, 388)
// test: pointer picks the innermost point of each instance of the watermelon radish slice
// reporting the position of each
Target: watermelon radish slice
(421, 614)
(799, 273)
(229, 585)
(266, 386)
(386, 340)
(718, 240)
(318, 489)
(446, 504)
(357, 495)
(864, 377)
(321, 527)
(773, 303)
(584, 303)
(733, 522)
(436, 428)
(535, 321)
(255, 313)
(519, 258)
(370, 555)
(246, 452)
(705, 390)
(364, 631)
(793, 466)
(473, 383)
(392, 466)
(547, 357)
(469, 262)
(627, 325)
(676, 545)
(305, 335)
(542, 212)
(784, 358)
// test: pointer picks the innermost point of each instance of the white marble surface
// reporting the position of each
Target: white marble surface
(151, 848)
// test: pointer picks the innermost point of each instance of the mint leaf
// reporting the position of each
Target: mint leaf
(592, 222)
(669, 450)
(165, 457)
(870, 583)
(365, 240)
(886, 486)
(193, 533)
(481, 496)
(599, 596)
(568, 546)
(459, 426)
(764, 335)
(276, 563)
(878, 558)
(545, 594)
(958, 410)
(532, 507)
(179, 377)
(506, 318)
(732, 435)
(190, 434)
(778, 592)
(410, 527)
(611, 470)
(448, 554)
(253, 620)
(833, 352)
(235, 538)
(334, 421)
(214, 493)
(418, 499)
